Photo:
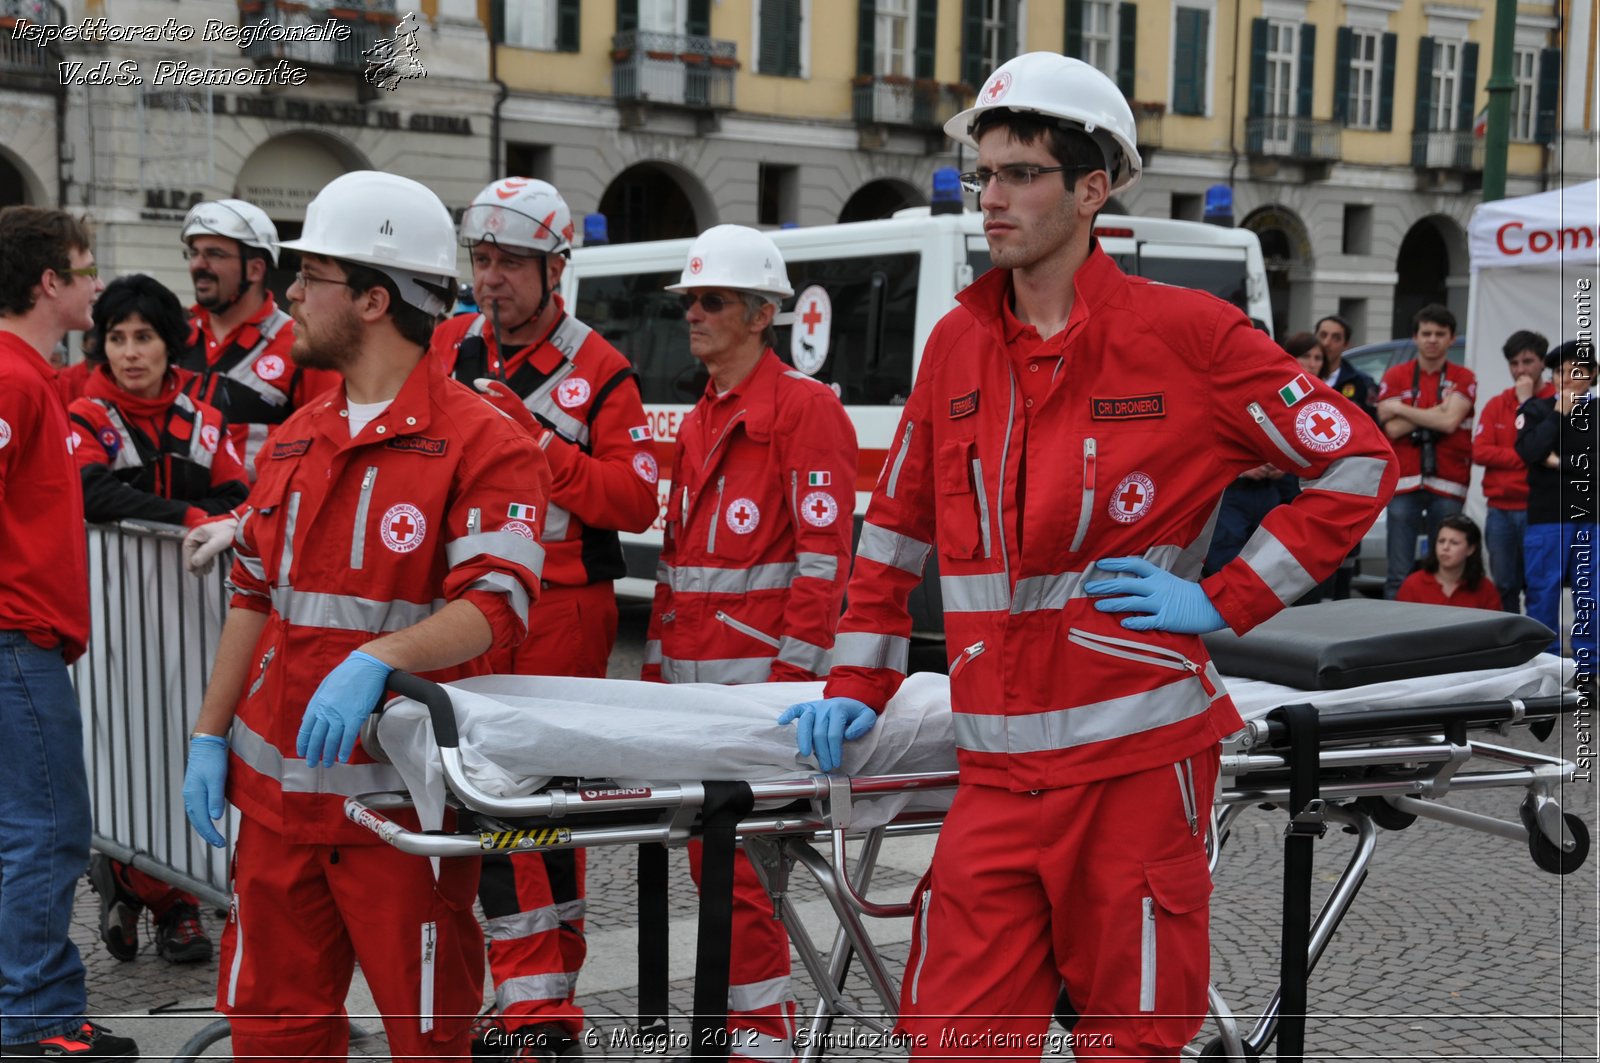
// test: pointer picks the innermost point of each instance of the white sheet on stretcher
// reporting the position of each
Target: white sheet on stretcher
(517, 732)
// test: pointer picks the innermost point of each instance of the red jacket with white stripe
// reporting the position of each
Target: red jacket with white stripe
(342, 540)
(1160, 398)
(1494, 446)
(1453, 451)
(597, 439)
(757, 542)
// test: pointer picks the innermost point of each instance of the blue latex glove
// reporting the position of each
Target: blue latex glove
(343, 701)
(1172, 602)
(204, 780)
(824, 725)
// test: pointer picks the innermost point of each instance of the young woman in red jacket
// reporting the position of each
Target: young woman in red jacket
(1452, 573)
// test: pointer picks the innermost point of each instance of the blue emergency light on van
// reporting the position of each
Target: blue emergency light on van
(1219, 205)
(594, 230)
(946, 191)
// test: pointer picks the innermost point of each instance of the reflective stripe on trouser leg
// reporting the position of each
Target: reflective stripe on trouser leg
(534, 908)
(761, 1007)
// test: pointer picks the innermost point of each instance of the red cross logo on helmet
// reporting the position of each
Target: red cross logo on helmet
(696, 265)
(997, 87)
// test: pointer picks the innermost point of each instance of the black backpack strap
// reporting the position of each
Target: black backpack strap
(1307, 823)
(726, 804)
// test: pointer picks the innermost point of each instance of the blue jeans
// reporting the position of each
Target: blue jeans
(44, 842)
(1409, 515)
(1503, 532)
(1553, 553)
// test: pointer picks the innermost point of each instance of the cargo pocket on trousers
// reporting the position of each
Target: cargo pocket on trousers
(921, 899)
(1174, 949)
(450, 950)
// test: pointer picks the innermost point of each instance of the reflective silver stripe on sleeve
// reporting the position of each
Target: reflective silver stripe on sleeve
(358, 535)
(1097, 722)
(500, 545)
(817, 566)
(1056, 589)
(975, 594)
(1350, 476)
(734, 670)
(291, 515)
(893, 549)
(1278, 568)
(693, 579)
(899, 460)
(862, 649)
(252, 565)
(295, 776)
(556, 522)
(346, 612)
(508, 585)
(802, 654)
(652, 651)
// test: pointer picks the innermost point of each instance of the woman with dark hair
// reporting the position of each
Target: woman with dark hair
(1304, 348)
(1452, 573)
(146, 450)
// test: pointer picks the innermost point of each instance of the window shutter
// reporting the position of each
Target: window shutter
(866, 34)
(1424, 112)
(794, 27)
(627, 16)
(974, 66)
(1343, 46)
(1258, 67)
(1127, 41)
(1189, 71)
(769, 51)
(927, 38)
(1547, 101)
(1308, 65)
(698, 23)
(567, 21)
(1073, 45)
(1466, 104)
(1008, 33)
(1391, 44)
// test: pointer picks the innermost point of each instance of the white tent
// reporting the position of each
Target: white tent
(1535, 265)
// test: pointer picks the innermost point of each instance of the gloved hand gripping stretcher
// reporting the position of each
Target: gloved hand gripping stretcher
(649, 761)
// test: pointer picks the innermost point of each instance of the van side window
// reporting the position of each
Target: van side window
(645, 323)
(874, 324)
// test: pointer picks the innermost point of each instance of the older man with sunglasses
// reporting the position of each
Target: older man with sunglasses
(755, 552)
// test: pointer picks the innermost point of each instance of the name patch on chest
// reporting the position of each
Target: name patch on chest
(1129, 408)
(433, 448)
(292, 449)
(965, 406)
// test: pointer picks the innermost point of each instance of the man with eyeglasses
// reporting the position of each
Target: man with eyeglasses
(1064, 448)
(239, 339)
(579, 397)
(48, 285)
(754, 554)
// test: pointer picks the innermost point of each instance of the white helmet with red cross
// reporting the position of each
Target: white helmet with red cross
(1055, 86)
(738, 257)
(519, 213)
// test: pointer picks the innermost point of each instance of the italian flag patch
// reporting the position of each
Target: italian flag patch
(819, 479)
(640, 434)
(518, 511)
(1295, 390)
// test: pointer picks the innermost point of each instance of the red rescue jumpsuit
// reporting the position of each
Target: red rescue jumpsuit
(344, 539)
(752, 571)
(1074, 851)
(597, 442)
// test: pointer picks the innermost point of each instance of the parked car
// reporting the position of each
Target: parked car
(1376, 359)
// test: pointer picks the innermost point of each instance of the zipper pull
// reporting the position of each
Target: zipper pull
(1200, 674)
(1257, 413)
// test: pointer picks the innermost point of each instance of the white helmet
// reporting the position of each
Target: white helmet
(519, 212)
(391, 223)
(1055, 86)
(735, 256)
(234, 219)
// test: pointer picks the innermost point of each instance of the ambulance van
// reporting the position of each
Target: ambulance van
(867, 294)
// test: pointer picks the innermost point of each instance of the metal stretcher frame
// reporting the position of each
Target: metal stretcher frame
(1377, 767)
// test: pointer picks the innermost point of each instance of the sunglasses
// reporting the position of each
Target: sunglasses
(82, 271)
(713, 302)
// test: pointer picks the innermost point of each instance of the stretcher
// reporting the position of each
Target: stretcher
(528, 764)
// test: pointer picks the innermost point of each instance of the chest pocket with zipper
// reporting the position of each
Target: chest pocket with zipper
(962, 506)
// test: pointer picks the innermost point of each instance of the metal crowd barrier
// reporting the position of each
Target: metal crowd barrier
(153, 637)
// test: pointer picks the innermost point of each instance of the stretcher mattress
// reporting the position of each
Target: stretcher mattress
(519, 732)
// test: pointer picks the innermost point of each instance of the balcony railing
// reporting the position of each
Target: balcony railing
(673, 68)
(25, 60)
(923, 103)
(367, 20)
(1292, 137)
(1447, 150)
(1147, 118)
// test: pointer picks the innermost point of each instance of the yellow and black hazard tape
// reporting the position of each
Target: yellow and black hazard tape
(542, 838)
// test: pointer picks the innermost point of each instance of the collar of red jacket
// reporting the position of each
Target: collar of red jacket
(102, 385)
(1094, 282)
(25, 353)
(247, 335)
(408, 414)
(541, 353)
(756, 395)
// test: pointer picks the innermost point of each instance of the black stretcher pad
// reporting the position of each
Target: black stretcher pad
(1337, 645)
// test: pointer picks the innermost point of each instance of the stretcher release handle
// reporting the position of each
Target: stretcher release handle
(436, 698)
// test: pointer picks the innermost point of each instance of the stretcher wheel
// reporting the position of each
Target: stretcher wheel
(1384, 814)
(1214, 1050)
(1551, 857)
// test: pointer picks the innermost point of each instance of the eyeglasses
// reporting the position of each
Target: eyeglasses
(82, 271)
(713, 302)
(304, 281)
(210, 254)
(1014, 175)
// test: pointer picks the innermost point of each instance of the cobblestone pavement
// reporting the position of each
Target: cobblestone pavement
(1457, 948)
